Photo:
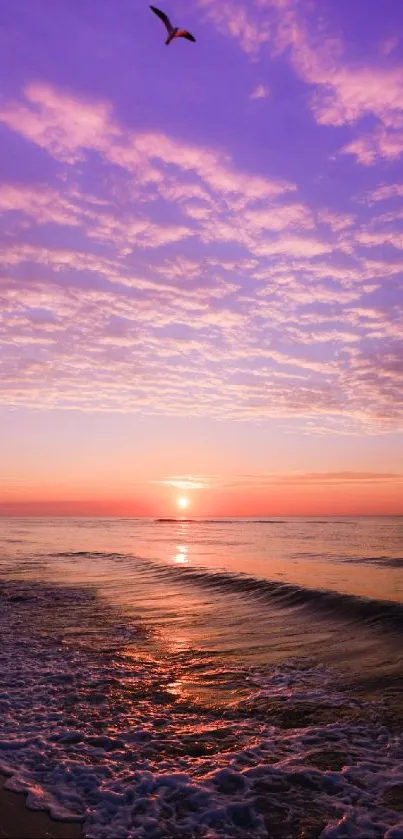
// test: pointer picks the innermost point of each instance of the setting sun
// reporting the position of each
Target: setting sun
(183, 502)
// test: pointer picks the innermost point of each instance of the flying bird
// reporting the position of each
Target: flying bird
(173, 31)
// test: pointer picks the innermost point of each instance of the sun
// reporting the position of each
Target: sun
(183, 502)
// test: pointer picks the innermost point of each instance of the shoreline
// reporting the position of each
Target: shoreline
(17, 821)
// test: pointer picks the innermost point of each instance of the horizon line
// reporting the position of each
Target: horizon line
(181, 519)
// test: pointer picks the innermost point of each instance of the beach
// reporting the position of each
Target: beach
(151, 688)
(17, 822)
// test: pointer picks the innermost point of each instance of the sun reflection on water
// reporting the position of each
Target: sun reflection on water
(181, 556)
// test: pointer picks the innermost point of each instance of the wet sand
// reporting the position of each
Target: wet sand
(17, 822)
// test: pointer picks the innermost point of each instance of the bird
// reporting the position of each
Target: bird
(173, 31)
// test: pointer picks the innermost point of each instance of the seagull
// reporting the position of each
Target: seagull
(173, 31)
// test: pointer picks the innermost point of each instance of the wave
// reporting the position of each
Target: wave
(373, 612)
(14, 541)
(382, 561)
(327, 521)
(241, 520)
(220, 521)
(89, 554)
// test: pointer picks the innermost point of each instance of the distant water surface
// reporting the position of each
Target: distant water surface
(362, 556)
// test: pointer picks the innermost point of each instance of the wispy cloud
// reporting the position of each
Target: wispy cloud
(344, 92)
(260, 92)
(188, 483)
(179, 282)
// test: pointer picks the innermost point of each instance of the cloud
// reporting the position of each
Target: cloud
(59, 122)
(262, 480)
(321, 478)
(235, 21)
(388, 45)
(179, 283)
(336, 221)
(386, 143)
(353, 93)
(280, 217)
(383, 193)
(67, 127)
(375, 380)
(381, 237)
(41, 204)
(344, 92)
(202, 182)
(260, 92)
(187, 483)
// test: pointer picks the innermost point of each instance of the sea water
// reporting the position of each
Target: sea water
(217, 678)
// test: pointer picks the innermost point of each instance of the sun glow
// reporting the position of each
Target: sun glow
(183, 502)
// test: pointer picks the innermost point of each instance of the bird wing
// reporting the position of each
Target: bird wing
(183, 33)
(162, 16)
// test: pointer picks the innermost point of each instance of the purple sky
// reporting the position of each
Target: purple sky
(202, 245)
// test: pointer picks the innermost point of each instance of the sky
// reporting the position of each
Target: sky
(201, 258)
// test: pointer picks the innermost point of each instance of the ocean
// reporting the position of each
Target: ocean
(205, 678)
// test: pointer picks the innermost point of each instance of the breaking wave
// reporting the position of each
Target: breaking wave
(371, 611)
